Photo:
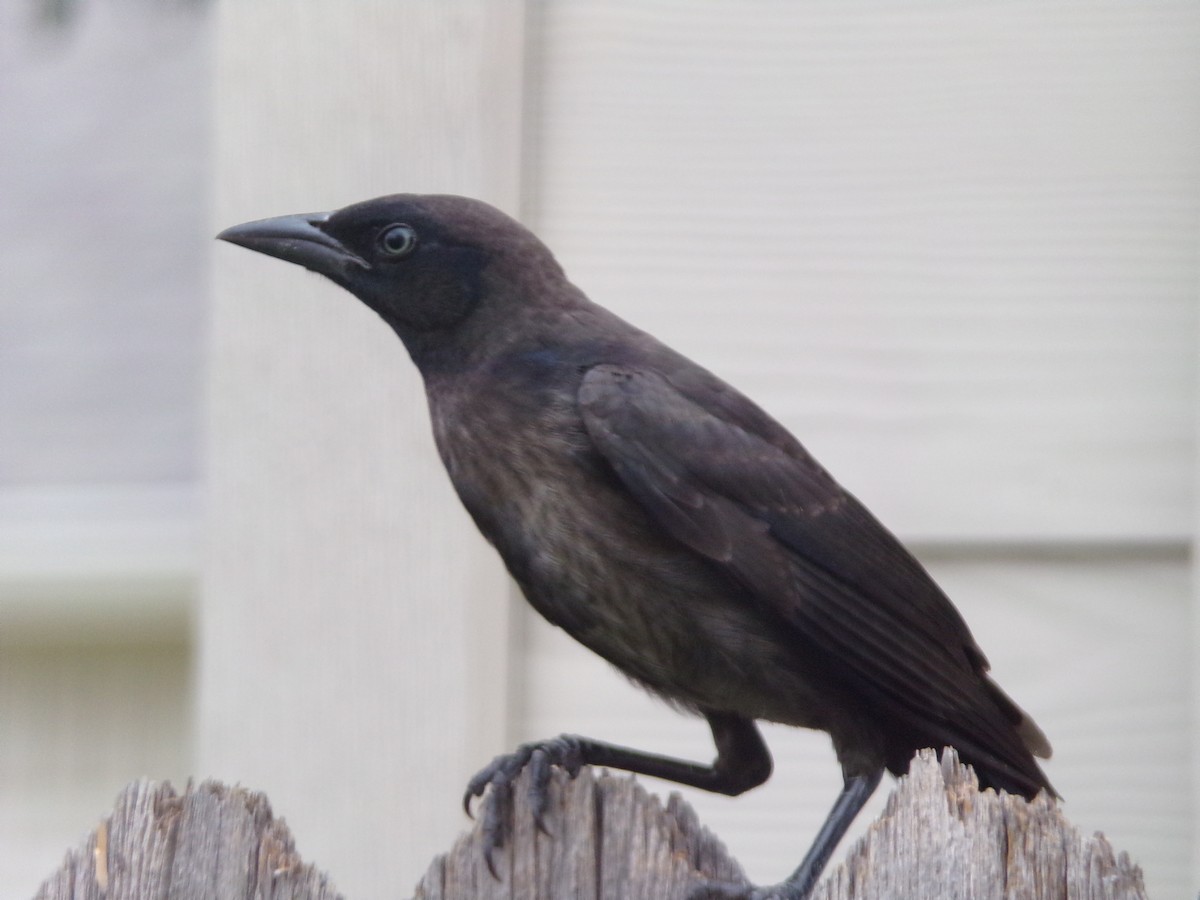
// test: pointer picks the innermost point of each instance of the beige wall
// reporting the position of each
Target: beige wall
(955, 249)
(351, 635)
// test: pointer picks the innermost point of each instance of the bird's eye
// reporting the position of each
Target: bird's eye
(397, 240)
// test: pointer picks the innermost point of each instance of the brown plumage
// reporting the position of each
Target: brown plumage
(663, 520)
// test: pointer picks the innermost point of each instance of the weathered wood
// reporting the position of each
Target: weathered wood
(606, 838)
(210, 843)
(939, 836)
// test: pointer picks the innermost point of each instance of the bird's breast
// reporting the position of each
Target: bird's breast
(590, 559)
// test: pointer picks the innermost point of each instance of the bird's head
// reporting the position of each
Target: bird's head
(425, 263)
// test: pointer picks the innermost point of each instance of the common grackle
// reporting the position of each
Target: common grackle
(664, 521)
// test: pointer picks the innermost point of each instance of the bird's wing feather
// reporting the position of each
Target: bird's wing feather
(758, 505)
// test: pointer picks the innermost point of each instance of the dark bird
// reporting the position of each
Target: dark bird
(664, 521)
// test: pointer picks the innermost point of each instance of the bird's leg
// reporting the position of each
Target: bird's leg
(856, 790)
(742, 763)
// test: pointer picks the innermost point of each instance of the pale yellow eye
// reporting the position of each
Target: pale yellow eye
(397, 240)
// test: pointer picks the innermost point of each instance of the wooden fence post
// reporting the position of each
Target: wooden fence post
(606, 838)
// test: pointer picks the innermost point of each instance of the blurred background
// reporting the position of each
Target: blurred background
(955, 247)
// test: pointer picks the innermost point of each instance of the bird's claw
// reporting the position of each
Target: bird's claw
(726, 890)
(539, 757)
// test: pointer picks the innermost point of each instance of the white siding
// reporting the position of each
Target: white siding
(352, 631)
(102, 298)
(955, 248)
(102, 264)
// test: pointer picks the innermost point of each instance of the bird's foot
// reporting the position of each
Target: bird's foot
(725, 890)
(565, 751)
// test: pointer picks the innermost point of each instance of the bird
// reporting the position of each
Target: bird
(663, 520)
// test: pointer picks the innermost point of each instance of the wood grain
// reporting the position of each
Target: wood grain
(605, 838)
(209, 842)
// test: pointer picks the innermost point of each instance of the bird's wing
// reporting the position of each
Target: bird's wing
(760, 507)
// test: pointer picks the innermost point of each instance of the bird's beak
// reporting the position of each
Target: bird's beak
(296, 239)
